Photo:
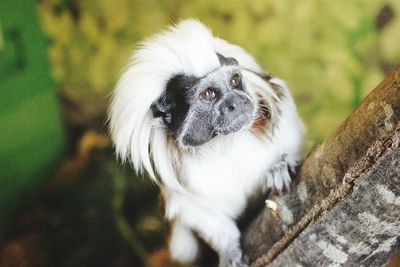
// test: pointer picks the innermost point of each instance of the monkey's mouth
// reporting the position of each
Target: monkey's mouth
(234, 125)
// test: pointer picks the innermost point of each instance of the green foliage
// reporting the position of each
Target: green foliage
(31, 138)
(330, 52)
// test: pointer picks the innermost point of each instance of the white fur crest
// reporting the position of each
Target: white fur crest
(188, 48)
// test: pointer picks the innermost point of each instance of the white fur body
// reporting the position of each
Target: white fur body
(222, 174)
(206, 187)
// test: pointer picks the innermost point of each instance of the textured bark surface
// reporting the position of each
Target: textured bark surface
(344, 208)
(361, 230)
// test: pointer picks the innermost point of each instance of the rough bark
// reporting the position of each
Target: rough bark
(344, 207)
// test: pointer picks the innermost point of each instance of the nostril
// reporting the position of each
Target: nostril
(228, 107)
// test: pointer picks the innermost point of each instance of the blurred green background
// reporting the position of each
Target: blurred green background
(63, 199)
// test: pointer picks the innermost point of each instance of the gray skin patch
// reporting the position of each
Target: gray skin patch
(195, 110)
(229, 110)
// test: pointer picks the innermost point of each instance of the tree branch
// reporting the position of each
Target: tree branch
(346, 188)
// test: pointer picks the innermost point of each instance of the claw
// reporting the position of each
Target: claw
(278, 177)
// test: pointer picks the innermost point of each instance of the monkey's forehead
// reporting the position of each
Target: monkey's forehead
(223, 72)
(217, 77)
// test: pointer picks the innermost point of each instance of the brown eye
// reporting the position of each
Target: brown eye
(208, 94)
(235, 80)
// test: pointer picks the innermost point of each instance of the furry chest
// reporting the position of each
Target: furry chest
(229, 175)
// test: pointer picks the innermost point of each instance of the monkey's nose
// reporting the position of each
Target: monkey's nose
(228, 107)
(231, 107)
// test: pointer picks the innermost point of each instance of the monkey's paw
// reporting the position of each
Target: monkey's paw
(239, 264)
(278, 177)
(232, 259)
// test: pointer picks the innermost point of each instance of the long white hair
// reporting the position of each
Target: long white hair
(187, 48)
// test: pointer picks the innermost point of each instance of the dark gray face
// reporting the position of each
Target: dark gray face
(197, 109)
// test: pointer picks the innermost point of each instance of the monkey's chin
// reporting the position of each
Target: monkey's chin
(242, 122)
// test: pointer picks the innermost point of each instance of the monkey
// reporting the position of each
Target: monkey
(210, 127)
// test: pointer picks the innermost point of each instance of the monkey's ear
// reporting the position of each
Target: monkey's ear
(227, 60)
(162, 107)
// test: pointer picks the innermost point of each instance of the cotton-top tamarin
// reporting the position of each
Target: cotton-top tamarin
(210, 127)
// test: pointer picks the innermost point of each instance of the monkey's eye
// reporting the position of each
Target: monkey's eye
(235, 80)
(208, 94)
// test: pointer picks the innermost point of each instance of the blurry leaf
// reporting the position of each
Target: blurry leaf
(89, 27)
(110, 8)
(390, 41)
(57, 60)
(31, 141)
(100, 67)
